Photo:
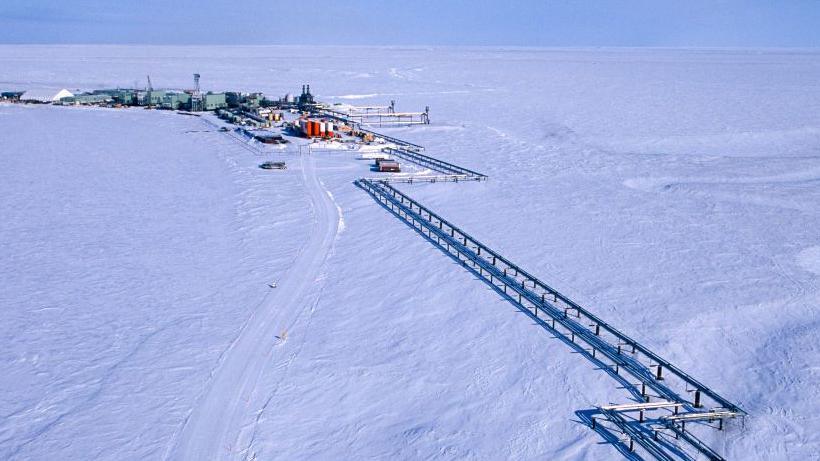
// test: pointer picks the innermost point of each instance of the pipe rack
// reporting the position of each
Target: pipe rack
(558, 313)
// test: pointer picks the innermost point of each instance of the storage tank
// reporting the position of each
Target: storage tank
(322, 128)
(329, 128)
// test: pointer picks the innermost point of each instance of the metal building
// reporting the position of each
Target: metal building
(213, 101)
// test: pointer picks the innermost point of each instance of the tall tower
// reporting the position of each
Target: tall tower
(196, 96)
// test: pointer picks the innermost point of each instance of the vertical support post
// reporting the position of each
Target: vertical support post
(659, 374)
(697, 399)
(640, 416)
(597, 330)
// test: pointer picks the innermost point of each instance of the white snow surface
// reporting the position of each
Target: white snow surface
(672, 192)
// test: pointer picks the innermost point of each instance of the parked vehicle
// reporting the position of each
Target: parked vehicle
(274, 166)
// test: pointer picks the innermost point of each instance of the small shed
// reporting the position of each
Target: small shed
(389, 165)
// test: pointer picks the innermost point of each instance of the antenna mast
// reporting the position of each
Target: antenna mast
(149, 92)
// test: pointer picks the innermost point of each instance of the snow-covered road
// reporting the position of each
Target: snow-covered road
(227, 407)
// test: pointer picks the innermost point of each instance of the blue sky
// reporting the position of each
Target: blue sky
(698, 23)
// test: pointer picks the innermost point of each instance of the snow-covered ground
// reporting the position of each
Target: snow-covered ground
(672, 192)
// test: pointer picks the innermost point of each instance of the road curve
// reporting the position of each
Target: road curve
(211, 430)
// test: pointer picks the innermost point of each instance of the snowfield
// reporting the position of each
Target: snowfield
(672, 192)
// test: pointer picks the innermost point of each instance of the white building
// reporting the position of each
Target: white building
(45, 95)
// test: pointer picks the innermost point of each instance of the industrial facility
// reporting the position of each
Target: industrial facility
(258, 118)
(192, 100)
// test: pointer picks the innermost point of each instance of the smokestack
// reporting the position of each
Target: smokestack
(303, 89)
(308, 89)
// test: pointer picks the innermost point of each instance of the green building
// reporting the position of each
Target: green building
(125, 97)
(175, 100)
(154, 97)
(213, 101)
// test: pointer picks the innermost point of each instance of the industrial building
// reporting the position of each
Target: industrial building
(13, 96)
(214, 101)
(175, 100)
(86, 99)
(305, 101)
(45, 95)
